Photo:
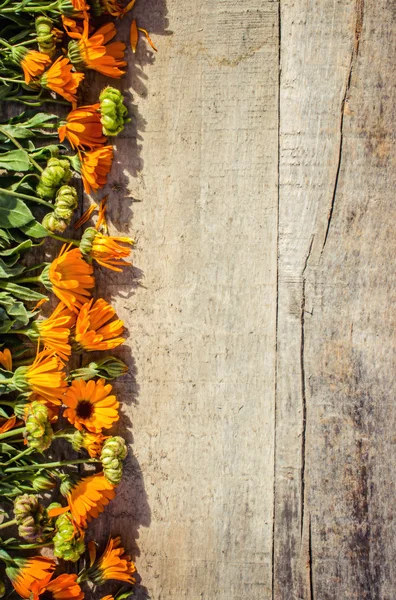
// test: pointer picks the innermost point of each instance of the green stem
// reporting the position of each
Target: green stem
(29, 546)
(7, 402)
(63, 239)
(14, 458)
(12, 80)
(6, 381)
(5, 43)
(12, 432)
(34, 279)
(7, 524)
(26, 197)
(64, 463)
(18, 145)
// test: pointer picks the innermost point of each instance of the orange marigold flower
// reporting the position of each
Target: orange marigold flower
(26, 571)
(93, 329)
(96, 53)
(33, 63)
(92, 442)
(113, 564)
(64, 587)
(60, 78)
(54, 332)
(90, 405)
(71, 278)
(83, 127)
(89, 498)
(95, 166)
(45, 377)
(6, 359)
(108, 252)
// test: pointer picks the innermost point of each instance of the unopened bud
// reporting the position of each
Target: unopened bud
(41, 483)
(113, 453)
(114, 113)
(56, 173)
(66, 202)
(108, 368)
(87, 240)
(68, 542)
(45, 36)
(53, 223)
(38, 431)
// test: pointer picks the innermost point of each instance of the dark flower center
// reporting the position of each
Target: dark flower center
(47, 596)
(84, 409)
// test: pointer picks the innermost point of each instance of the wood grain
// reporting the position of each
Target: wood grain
(256, 177)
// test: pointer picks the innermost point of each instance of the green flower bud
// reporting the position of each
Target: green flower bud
(67, 484)
(66, 202)
(108, 368)
(45, 37)
(68, 543)
(31, 517)
(56, 173)
(113, 453)
(87, 240)
(41, 483)
(38, 431)
(114, 114)
(53, 223)
(74, 54)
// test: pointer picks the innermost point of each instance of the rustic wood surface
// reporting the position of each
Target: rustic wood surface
(256, 178)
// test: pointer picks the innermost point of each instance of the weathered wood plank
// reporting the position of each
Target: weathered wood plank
(334, 416)
(197, 500)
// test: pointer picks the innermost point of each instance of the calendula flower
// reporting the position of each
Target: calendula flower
(33, 63)
(114, 113)
(45, 377)
(54, 332)
(95, 166)
(87, 499)
(94, 328)
(90, 405)
(94, 52)
(113, 564)
(92, 442)
(64, 587)
(38, 431)
(69, 539)
(83, 127)
(61, 78)
(6, 359)
(25, 571)
(108, 251)
(80, 6)
(70, 278)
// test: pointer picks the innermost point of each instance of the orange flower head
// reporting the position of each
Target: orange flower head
(6, 359)
(94, 52)
(92, 442)
(90, 405)
(54, 332)
(64, 587)
(80, 6)
(45, 377)
(83, 128)
(71, 278)
(95, 166)
(60, 78)
(26, 571)
(94, 328)
(89, 498)
(113, 564)
(108, 251)
(33, 63)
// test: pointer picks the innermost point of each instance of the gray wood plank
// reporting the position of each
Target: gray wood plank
(334, 408)
(196, 504)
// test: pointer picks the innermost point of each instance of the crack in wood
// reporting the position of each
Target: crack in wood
(359, 14)
(310, 572)
(303, 389)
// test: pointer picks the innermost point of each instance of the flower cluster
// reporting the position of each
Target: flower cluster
(47, 499)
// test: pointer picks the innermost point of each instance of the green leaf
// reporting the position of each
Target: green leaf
(34, 229)
(26, 245)
(39, 119)
(15, 160)
(13, 212)
(21, 292)
(6, 271)
(17, 132)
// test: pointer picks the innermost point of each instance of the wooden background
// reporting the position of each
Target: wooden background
(257, 178)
